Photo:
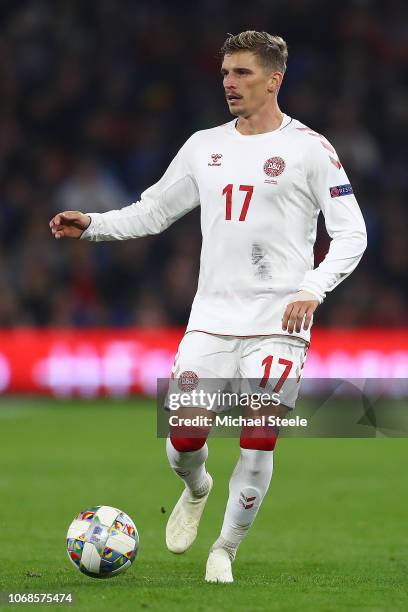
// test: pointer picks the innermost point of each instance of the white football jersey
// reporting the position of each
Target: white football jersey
(260, 197)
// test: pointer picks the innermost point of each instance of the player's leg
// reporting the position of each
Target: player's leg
(252, 475)
(187, 455)
(200, 356)
(247, 487)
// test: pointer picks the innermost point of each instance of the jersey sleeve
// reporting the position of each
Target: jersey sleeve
(174, 195)
(333, 194)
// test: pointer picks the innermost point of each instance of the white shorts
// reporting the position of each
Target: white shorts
(260, 364)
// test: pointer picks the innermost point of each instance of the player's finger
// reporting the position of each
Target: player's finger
(55, 221)
(300, 316)
(293, 317)
(286, 316)
(309, 315)
(66, 217)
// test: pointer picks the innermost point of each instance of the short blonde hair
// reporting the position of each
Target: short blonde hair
(272, 51)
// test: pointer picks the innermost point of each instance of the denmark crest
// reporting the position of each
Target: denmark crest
(274, 166)
(188, 381)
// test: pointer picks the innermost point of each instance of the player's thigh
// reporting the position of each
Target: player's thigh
(206, 356)
(274, 365)
(203, 367)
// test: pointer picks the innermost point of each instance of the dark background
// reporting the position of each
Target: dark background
(97, 97)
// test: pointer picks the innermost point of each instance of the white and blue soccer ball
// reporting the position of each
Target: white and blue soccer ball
(102, 542)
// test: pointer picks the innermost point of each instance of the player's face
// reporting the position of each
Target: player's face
(248, 85)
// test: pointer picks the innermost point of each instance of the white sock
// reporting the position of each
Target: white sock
(190, 466)
(248, 485)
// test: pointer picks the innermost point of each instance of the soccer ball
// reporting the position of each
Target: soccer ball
(102, 542)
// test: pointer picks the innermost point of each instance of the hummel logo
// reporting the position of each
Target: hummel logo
(215, 157)
(246, 501)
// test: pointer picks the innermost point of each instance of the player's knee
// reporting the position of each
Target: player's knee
(186, 445)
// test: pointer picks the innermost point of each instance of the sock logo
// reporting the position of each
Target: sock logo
(247, 502)
(182, 473)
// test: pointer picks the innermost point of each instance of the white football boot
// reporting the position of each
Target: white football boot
(219, 567)
(182, 526)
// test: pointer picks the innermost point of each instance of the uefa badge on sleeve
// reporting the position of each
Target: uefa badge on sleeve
(341, 190)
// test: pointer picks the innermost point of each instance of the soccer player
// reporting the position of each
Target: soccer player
(261, 181)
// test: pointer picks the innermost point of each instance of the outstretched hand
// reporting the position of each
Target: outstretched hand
(69, 224)
(302, 307)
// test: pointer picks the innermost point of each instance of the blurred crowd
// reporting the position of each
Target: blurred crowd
(97, 97)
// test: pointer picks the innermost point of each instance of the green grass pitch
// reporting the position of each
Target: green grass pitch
(332, 534)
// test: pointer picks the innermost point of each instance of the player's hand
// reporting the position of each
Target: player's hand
(302, 307)
(69, 224)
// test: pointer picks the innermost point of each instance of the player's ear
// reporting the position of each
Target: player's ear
(274, 82)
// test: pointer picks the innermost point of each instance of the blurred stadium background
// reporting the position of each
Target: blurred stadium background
(97, 97)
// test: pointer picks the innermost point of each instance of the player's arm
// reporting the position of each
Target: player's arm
(333, 194)
(175, 194)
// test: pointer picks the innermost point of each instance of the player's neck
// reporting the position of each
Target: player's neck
(266, 120)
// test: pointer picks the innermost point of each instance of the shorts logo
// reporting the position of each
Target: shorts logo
(274, 166)
(341, 190)
(188, 381)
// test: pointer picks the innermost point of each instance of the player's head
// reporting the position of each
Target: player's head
(253, 65)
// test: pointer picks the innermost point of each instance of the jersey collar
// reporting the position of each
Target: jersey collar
(232, 130)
